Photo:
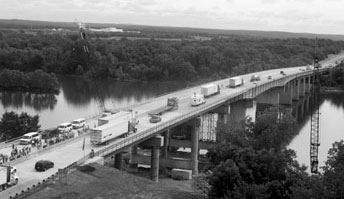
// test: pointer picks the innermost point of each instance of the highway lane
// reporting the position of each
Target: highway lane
(66, 153)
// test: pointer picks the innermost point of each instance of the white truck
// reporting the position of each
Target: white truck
(236, 81)
(197, 99)
(114, 129)
(210, 89)
(8, 177)
(121, 115)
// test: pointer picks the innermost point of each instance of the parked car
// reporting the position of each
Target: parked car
(28, 137)
(78, 123)
(43, 165)
(282, 72)
(269, 77)
(65, 127)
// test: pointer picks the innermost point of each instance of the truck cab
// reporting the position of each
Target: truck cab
(197, 99)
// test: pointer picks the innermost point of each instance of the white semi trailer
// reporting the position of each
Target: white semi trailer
(235, 82)
(121, 115)
(210, 89)
(8, 177)
(114, 129)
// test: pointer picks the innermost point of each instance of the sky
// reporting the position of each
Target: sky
(310, 16)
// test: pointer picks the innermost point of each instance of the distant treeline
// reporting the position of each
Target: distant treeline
(154, 60)
(37, 81)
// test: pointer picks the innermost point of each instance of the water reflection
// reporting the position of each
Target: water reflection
(82, 91)
(19, 100)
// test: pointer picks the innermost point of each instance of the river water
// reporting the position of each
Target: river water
(77, 99)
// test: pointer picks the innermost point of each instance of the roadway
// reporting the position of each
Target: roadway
(71, 151)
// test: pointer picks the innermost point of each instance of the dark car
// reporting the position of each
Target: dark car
(43, 165)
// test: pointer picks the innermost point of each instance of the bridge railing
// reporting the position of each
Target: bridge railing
(156, 129)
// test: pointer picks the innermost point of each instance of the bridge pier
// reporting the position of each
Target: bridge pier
(223, 112)
(118, 160)
(302, 87)
(155, 163)
(164, 150)
(155, 143)
(296, 89)
(194, 145)
(286, 95)
(239, 110)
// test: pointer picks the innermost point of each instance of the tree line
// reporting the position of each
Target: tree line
(35, 81)
(155, 60)
(253, 162)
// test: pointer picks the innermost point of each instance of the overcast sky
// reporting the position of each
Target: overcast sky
(313, 16)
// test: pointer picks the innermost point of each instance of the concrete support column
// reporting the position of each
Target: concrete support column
(286, 95)
(155, 163)
(296, 89)
(223, 112)
(302, 87)
(133, 151)
(118, 161)
(194, 145)
(164, 151)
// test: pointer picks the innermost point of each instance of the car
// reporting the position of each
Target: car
(78, 123)
(155, 119)
(28, 137)
(282, 72)
(65, 127)
(43, 165)
(269, 77)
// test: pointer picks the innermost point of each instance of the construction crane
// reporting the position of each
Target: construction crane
(315, 118)
(99, 97)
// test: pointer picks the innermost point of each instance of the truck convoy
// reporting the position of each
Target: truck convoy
(114, 129)
(197, 99)
(235, 81)
(8, 177)
(209, 90)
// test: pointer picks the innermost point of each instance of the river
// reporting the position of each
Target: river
(77, 99)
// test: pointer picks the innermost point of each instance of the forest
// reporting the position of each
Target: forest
(153, 59)
(253, 162)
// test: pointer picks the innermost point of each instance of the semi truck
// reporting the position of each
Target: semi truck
(114, 129)
(197, 99)
(8, 177)
(121, 115)
(172, 104)
(210, 89)
(255, 78)
(236, 81)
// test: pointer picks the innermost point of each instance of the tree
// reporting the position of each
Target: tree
(334, 170)
(13, 125)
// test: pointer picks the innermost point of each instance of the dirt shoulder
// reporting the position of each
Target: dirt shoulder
(101, 182)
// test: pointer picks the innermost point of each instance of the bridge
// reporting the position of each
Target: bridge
(232, 104)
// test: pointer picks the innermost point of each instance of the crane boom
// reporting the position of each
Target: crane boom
(315, 118)
(99, 97)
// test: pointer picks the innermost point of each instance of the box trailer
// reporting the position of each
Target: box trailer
(210, 89)
(8, 177)
(121, 115)
(114, 129)
(236, 81)
(197, 99)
